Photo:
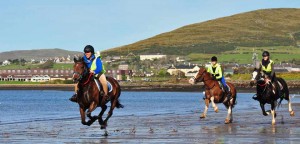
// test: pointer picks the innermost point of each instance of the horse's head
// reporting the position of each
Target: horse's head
(198, 77)
(79, 69)
(257, 77)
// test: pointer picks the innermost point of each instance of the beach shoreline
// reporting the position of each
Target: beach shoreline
(241, 87)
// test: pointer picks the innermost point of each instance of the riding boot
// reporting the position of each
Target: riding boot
(227, 98)
(74, 97)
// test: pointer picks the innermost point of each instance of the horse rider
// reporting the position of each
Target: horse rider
(95, 66)
(267, 67)
(216, 71)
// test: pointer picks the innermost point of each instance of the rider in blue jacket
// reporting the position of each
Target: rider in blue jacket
(95, 66)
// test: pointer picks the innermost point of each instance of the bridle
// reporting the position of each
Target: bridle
(201, 77)
(262, 85)
(81, 74)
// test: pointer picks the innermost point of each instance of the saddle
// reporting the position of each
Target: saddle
(109, 86)
(222, 87)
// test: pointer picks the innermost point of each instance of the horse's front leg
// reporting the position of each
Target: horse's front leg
(92, 107)
(82, 114)
(262, 106)
(100, 119)
(273, 106)
(216, 109)
(203, 115)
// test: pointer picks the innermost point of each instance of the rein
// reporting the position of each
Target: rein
(82, 75)
(88, 80)
(263, 85)
(206, 87)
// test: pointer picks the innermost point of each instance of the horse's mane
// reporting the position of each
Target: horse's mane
(78, 59)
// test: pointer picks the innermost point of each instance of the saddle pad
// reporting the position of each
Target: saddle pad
(109, 86)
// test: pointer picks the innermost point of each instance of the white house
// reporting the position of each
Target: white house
(151, 57)
(6, 62)
(188, 70)
(40, 78)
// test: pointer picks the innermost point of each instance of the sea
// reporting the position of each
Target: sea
(19, 106)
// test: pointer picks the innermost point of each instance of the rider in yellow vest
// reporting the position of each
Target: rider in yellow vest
(267, 67)
(216, 71)
(94, 64)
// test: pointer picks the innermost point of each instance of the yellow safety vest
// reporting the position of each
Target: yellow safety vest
(94, 66)
(218, 70)
(267, 69)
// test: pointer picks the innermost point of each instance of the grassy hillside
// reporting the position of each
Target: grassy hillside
(36, 54)
(260, 28)
(244, 55)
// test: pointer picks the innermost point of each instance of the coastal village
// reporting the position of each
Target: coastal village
(128, 68)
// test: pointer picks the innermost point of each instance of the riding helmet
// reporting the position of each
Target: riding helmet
(214, 58)
(265, 53)
(89, 48)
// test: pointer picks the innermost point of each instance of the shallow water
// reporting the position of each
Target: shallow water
(36, 116)
(41, 105)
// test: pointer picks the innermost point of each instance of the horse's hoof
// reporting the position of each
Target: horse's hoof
(216, 110)
(103, 127)
(227, 121)
(202, 116)
(292, 113)
(105, 133)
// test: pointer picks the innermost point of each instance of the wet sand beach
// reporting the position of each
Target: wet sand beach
(248, 126)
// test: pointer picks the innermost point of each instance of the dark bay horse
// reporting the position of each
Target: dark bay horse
(267, 93)
(214, 93)
(89, 97)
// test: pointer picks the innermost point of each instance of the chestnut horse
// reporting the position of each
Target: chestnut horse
(267, 93)
(214, 93)
(89, 96)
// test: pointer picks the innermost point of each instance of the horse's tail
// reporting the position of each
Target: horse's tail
(118, 104)
(234, 99)
(232, 88)
(285, 91)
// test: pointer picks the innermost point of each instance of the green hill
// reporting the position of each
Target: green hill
(36, 54)
(260, 28)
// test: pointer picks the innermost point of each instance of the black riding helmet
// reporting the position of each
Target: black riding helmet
(89, 48)
(265, 53)
(214, 58)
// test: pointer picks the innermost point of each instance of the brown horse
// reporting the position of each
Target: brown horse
(89, 97)
(214, 93)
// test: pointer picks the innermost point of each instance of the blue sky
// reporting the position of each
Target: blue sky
(72, 24)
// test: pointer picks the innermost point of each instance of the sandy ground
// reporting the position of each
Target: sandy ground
(248, 127)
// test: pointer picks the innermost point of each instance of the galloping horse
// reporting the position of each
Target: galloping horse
(89, 96)
(267, 93)
(214, 93)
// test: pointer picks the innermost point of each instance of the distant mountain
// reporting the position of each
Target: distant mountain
(267, 27)
(36, 54)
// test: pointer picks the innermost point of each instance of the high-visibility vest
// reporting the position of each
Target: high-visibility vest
(94, 66)
(267, 69)
(217, 73)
